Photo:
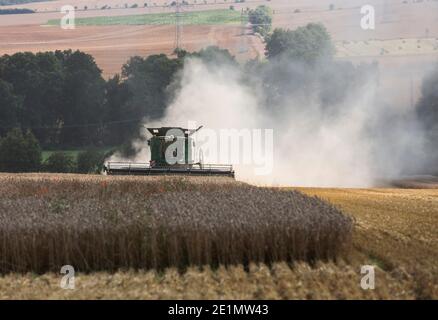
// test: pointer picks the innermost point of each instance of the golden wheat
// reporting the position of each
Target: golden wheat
(395, 230)
(108, 224)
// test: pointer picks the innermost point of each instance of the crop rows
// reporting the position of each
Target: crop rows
(111, 224)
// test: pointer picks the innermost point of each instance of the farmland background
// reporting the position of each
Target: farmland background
(399, 34)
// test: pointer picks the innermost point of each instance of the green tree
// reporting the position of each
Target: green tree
(261, 19)
(9, 107)
(214, 55)
(38, 80)
(294, 70)
(10, 2)
(118, 116)
(59, 162)
(82, 108)
(147, 80)
(90, 161)
(19, 152)
(309, 44)
(61, 94)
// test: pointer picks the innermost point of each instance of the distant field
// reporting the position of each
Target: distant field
(112, 46)
(13, 2)
(390, 47)
(210, 17)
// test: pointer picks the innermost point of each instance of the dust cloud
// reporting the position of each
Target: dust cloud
(356, 142)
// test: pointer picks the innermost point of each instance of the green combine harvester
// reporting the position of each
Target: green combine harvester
(167, 158)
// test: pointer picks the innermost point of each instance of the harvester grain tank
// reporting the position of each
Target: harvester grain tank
(166, 143)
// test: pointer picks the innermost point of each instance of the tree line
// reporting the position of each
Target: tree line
(21, 152)
(62, 100)
(11, 2)
(15, 11)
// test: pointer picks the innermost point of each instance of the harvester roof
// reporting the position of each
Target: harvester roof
(161, 132)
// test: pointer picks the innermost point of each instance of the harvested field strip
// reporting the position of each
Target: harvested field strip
(396, 229)
(209, 17)
(399, 225)
(108, 224)
(280, 281)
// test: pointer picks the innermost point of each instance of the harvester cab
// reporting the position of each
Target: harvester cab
(173, 152)
(176, 144)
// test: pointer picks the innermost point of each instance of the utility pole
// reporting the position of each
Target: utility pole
(178, 25)
(243, 40)
(412, 90)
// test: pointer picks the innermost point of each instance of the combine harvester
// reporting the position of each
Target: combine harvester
(166, 141)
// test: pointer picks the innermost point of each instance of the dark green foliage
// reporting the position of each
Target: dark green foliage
(19, 152)
(310, 43)
(124, 122)
(61, 96)
(83, 100)
(147, 80)
(15, 11)
(37, 79)
(10, 106)
(214, 55)
(261, 19)
(63, 99)
(59, 162)
(90, 161)
(10, 2)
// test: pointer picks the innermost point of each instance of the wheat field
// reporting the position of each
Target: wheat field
(394, 229)
(156, 223)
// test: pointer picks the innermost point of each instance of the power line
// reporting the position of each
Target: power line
(243, 40)
(96, 124)
(178, 25)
